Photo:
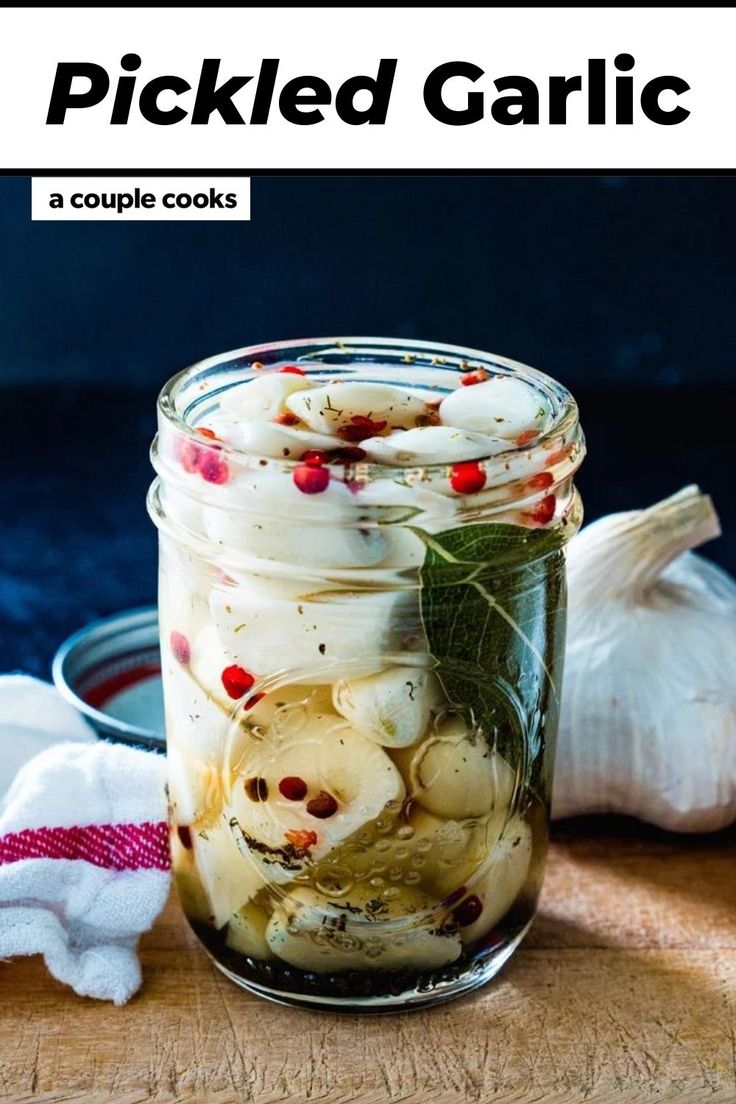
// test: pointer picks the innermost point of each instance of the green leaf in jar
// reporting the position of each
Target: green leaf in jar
(492, 605)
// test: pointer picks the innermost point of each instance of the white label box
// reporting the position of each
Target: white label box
(140, 199)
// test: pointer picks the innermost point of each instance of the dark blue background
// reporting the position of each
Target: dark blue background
(623, 288)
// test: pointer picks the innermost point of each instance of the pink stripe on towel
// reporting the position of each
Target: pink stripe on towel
(112, 846)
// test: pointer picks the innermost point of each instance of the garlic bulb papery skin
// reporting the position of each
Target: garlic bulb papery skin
(648, 717)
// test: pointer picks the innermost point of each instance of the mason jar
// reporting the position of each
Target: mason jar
(362, 669)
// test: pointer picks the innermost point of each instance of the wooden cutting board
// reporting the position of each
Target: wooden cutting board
(624, 993)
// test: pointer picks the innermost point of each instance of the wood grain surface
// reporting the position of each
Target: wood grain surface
(624, 993)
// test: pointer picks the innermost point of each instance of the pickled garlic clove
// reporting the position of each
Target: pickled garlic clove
(455, 774)
(347, 781)
(501, 406)
(196, 723)
(263, 514)
(392, 708)
(352, 406)
(192, 785)
(312, 932)
(259, 399)
(277, 703)
(500, 883)
(297, 543)
(189, 889)
(281, 442)
(432, 445)
(270, 625)
(229, 875)
(418, 848)
(453, 850)
(246, 932)
(209, 660)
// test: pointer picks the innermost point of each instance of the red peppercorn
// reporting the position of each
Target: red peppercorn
(493, 938)
(180, 647)
(455, 896)
(348, 455)
(286, 419)
(293, 788)
(213, 468)
(467, 478)
(545, 511)
(310, 480)
(556, 457)
(526, 437)
(185, 836)
(301, 838)
(256, 789)
(253, 701)
(468, 911)
(322, 806)
(237, 681)
(315, 458)
(360, 428)
(189, 455)
(292, 370)
(470, 378)
(541, 481)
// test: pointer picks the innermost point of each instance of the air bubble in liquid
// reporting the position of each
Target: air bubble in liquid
(333, 881)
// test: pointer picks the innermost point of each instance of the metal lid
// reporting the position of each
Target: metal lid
(111, 672)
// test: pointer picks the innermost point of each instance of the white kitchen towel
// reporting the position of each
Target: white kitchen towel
(84, 859)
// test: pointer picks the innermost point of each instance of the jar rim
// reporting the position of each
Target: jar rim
(375, 350)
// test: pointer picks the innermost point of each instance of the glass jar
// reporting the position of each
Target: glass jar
(362, 676)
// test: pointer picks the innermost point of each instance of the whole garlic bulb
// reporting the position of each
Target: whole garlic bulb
(648, 719)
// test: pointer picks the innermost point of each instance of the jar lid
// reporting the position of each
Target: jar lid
(111, 672)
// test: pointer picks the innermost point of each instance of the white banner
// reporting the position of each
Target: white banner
(367, 88)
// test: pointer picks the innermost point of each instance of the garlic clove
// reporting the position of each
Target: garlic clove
(196, 723)
(495, 890)
(246, 932)
(269, 625)
(457, 848)
(431, 445)
(230, 878)
(315, 530)
(313, 699)
(334, 406)
(281, 442)
(190, 781)
(189, 889)
(392, 708)
(259, 399)
(306, 914)
(344, 782)
(455, 774)
(502, 406)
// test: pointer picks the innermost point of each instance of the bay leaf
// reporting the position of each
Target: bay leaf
(492, 604)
